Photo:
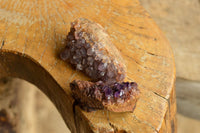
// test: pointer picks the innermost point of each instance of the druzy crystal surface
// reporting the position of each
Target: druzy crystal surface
(89, 49)
(117, 93)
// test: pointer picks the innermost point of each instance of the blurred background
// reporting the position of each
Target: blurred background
(22, 104)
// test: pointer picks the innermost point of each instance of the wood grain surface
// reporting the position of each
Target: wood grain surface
(31, 37)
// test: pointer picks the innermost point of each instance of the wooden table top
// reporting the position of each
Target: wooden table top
(31, 37)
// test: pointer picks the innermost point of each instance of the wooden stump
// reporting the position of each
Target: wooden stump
(31, 38)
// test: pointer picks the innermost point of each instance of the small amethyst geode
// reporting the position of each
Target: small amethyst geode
(118, 97)
(89, 49)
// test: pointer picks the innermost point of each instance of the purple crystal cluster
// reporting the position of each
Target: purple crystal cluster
(89, 49)
(115, 93)
(82, 56)
(88, 55)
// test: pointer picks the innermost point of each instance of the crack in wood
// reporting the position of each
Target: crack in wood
(147, 52)
(132, 25)
(146, 123)
(153, 54)
(135, 61)
(160, 95)
(2, 44)
(167, 100)
(111, 125)
(117, 130)
(154, 93)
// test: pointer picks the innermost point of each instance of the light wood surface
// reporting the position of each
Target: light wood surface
(31, 37)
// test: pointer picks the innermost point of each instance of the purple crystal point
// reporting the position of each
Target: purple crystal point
(108, 93)
(105, 88)
(125, 84)
(117, 94)
(118, 86)
(121, 93)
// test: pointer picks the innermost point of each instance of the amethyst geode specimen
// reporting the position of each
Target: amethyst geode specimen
(118, 97)
(89, 49)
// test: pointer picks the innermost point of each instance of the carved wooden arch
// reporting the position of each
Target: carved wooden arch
(31, 37)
